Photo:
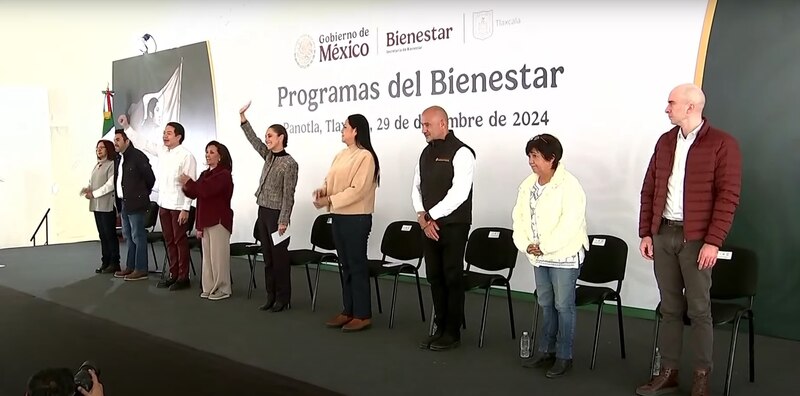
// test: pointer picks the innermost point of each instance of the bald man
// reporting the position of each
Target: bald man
(688, 199)
(442, 198)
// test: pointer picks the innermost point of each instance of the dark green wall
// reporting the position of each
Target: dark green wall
(752, 86)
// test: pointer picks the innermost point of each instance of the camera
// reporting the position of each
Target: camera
(83, 378)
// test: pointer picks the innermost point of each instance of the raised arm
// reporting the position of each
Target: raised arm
(250, 134)
(138, 139)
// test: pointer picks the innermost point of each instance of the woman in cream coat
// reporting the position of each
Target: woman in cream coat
(550, 228)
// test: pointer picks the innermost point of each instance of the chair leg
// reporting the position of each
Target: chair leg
(394, 299)
(511, 312)
(308, 277)
(535, 325)
(431, 329)
(419, 294)
(252, 281)
(316, 288)
(191, 264)
(731, 354)
(596, 334)
(751, 340)
(483, 317)
(621, 327)
(655, 345)
(378, 295)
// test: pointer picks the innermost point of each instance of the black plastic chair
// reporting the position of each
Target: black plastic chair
(605, 262)
(321, 238)
(733, 287)
(191, 241)
(402, 241)
(251, 251)
(150, 219)
(490, 249)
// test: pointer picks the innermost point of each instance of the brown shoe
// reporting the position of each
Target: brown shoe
(123, 273)
(357, 325)
(700, 383)
(339, 320)
(136, 275)
(666, 382)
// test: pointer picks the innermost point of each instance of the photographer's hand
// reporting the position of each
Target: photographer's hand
(97, 387)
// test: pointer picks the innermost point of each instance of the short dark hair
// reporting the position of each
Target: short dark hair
(179, 131)
(281, 131)
(122, 133)
(52, 382)
(224, 154)
(548, 146)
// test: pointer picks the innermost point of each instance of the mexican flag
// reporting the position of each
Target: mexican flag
(108, 115)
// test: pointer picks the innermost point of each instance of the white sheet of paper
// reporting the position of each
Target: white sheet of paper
(724, 255)
(278, 239)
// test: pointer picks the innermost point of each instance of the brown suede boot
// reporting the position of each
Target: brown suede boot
(666, 382)
(700, 383)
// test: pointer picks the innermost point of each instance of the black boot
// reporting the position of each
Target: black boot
(560, 367)
(539, 360)
(268, 305)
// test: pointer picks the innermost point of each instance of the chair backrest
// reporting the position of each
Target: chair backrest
(191, 220)
(256, 233)
(402, 240)
(322, 232)
(734, 276)
(151, 216)
(605, 260)
(491, 249)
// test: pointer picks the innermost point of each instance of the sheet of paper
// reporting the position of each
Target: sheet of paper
(278, 239)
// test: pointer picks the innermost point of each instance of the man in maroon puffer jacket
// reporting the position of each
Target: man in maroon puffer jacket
(689, 196)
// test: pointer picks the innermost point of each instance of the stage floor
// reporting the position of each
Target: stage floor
(380, 360)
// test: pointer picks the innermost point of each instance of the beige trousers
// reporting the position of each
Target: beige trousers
(216, 260)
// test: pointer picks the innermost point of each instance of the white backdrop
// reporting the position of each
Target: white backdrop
(619, 61)
(26, 183)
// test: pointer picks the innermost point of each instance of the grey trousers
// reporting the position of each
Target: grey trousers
(686, 290)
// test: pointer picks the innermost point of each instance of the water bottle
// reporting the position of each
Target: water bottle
(657, 364)
(525, 345)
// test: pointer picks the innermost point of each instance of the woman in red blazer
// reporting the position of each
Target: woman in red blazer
(213, 191)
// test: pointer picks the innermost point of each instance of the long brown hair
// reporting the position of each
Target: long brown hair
(110, 151)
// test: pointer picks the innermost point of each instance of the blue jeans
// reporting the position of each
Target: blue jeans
(136, 239)
(555, 288)
(350, 234)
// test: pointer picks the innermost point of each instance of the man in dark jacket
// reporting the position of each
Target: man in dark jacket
(689, 196)
(442, 198)
(134, 180)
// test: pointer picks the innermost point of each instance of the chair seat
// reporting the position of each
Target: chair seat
(155, 236)
(379, 268)
(474, 280)
(244, 249)
(194, 243)
(585, 295)
(721, 313)
(307, 256)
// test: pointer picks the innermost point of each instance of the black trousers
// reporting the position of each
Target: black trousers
(444, 267)
(277, 271)
(109, 244)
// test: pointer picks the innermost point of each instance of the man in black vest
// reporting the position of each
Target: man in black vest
(442, 197)
(134, 180)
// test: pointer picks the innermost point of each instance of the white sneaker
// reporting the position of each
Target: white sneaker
(218, 296)
(204, 295)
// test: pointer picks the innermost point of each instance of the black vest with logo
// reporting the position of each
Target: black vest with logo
(436, 177)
